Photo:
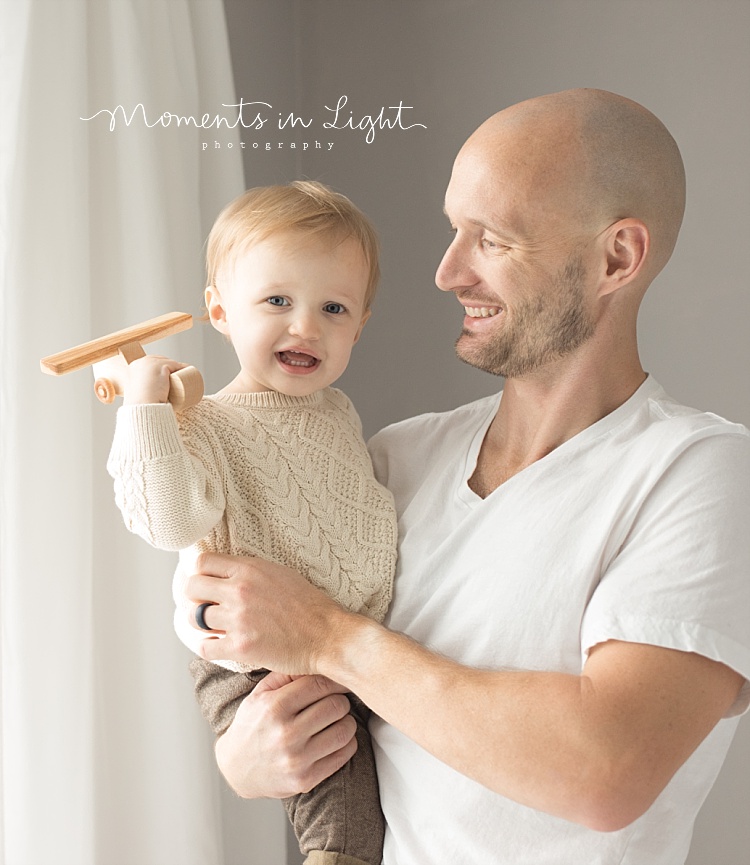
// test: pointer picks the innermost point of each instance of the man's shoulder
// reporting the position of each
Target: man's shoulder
(673, 420)
(402, 452)
(435, 425)
(654, 434)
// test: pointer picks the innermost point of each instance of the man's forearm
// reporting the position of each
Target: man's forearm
(487, 725)
(595, 749)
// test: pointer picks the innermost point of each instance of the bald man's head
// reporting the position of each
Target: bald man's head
(594, 157)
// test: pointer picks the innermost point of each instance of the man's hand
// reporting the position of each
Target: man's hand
(288, 735)
(270, 615)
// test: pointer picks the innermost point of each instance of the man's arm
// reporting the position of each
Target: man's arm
(594, 749)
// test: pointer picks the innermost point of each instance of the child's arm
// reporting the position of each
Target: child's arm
(169, 494)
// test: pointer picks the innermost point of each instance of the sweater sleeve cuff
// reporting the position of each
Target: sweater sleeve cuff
(146, 432)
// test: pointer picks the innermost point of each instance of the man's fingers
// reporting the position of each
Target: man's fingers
(207, 617)
(274, 681)
(306, 692)
(324, 713)
(332, 762)
(211, 570)
(295, 729)
(332, 739)
(216, 564)
(318, 712)
(211, 649)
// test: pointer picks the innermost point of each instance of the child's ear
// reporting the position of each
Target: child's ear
(216, 312)
(362, 324)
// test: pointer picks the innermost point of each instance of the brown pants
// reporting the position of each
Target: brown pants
(339, 822)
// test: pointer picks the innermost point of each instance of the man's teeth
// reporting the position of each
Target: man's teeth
(481, 311)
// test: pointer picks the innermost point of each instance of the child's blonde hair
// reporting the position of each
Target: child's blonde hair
(303, 205)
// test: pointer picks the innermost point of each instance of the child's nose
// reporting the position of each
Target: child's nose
(305, 325)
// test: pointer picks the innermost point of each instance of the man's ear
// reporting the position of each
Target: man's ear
(216, 313)
(627, 243)
(362, 324)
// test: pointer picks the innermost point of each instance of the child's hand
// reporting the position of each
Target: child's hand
(148, 379)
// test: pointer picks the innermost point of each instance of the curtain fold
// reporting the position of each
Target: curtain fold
(104, 757)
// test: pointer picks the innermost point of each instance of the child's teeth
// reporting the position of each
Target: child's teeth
(296, 358)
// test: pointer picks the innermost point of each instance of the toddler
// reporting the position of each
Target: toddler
(274, 465)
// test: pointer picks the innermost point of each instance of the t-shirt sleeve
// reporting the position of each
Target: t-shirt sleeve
(681, 578)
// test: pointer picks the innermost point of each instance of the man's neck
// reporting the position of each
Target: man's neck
(539, 413)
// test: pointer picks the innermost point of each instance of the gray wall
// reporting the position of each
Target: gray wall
(456, 62)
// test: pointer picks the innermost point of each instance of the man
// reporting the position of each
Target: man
(572, 591)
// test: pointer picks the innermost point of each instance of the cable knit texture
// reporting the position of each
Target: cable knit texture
(263, 474)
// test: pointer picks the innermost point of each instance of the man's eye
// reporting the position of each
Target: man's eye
(491, 244)
(334, 308)
(277, 300)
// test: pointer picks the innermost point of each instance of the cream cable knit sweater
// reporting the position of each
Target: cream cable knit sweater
(285, 478)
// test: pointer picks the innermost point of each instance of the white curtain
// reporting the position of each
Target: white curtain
(104, 758)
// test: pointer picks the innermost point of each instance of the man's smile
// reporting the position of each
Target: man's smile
(481, 311)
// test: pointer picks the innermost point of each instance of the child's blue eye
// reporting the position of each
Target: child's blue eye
(277, 300)
(335, 308)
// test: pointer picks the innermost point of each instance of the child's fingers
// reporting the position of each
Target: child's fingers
(148, 379)
(157, 361)
(173, 366)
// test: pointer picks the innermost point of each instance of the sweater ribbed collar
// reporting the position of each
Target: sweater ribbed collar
(270, 399)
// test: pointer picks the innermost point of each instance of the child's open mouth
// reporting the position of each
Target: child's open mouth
(297, 361)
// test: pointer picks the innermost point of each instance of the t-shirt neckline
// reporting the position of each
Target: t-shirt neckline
(648, 389)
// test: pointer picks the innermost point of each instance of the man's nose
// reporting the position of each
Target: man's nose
(454, 271)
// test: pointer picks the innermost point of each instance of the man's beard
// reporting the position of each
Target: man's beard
(545, 327)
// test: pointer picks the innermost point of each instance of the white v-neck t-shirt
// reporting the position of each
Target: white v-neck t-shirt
(636, 529)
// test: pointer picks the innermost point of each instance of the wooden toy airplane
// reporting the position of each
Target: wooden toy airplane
(110, 355)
